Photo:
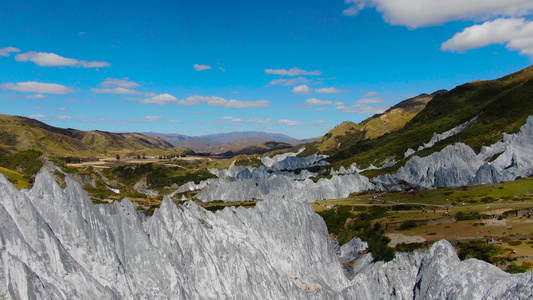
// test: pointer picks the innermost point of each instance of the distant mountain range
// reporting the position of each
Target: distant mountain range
(224, 142)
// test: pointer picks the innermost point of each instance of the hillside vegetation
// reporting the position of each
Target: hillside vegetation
(349, 133)
(502, 105)
(20, 134)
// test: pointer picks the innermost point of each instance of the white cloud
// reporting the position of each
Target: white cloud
(419, 13)
(222, 69)
(198, 67)
(161, 99)
(292, 72)
(117, 90)
(123, 83)
(290, 82)
(147, 119)
(37, 87)
(516, 34)
(259, 121)
(288, 122)
(232, 119)
(38, 108)
(153, 118)
(328, 90)
(36, 96)
(363, 109)
(338, 103)
(319, 123)
(7, 50)
(371, 94)
(314, 101)
(45, 59)
(371, 100)
(301, 89)
(175, 121)
(219, 101)
(41, 116)
(62, 109)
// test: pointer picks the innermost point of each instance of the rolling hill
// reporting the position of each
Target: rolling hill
(500, 105)
(21, 133)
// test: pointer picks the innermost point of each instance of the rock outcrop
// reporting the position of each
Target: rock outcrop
(55, 244)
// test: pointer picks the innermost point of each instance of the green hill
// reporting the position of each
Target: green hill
(502, 105)
(20, 133)
(349, 133)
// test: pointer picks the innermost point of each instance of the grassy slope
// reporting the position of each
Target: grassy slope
(503, 105)
(348, 133)
(19, 133)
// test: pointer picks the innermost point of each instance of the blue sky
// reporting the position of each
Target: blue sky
(202, 67)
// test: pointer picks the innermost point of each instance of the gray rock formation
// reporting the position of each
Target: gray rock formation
(55, 244)
(437, 137)
(458, 164)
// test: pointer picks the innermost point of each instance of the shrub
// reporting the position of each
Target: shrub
(408, 247)
(463, 216)
(479, 250)
(515, 243)
(514, 269)
(408, 225)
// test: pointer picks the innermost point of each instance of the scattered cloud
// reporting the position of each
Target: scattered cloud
(38, 108)
(371, 94)
(118, 90)
(116, 82)
(329, 90)
(292, 72)
(516, 34)
(153, 118)
(301, 89)
(89, 101)
(288, 122)
(363, 109)
(222, 69)
(371, 100)
(319, 123)
(161, 99)
(338, 103)
(37, 87)
(435, 12)
(198, 67)
(219, 101)
(8, 50)
(175, 121)
(147, 119)
(258, 121)
(314, 101)
(45, 59)
(62, 109)
(54, 118)
(289, 82)
(232, 119)
(321, 108)
(71, 100)
(36, 96)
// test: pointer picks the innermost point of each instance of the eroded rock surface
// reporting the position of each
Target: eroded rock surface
(55, 244)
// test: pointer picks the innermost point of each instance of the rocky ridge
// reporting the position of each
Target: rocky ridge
(55, 244)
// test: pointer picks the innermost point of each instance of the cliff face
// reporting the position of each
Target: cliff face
(458, 164)
(55, 244)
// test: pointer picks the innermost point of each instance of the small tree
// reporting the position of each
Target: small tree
(117, 156)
